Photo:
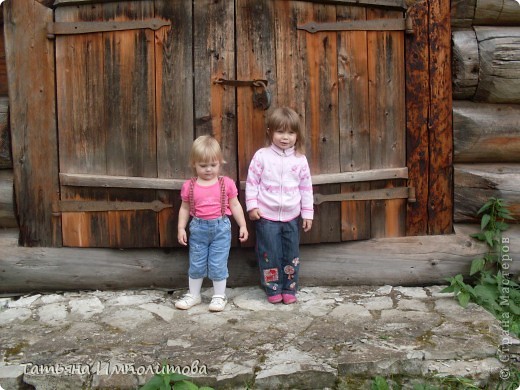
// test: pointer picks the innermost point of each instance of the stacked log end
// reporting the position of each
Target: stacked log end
(486, 105)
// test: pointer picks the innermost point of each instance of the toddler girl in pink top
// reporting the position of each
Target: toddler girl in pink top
(208, 198)
(278, 191)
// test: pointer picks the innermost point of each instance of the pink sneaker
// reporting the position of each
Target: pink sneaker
(275, 298)
(289, 298)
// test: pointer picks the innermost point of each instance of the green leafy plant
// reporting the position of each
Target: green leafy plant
(491, 285)
(513, 382)
(171, 381)
(380, 383)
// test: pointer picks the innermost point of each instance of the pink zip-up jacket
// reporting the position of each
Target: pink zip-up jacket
(279, 184)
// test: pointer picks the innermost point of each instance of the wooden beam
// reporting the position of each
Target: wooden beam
(440, 129)
(383, 193)
(32, 91)
(71, 206)
(401, 4)
(86, 180)
(368, 175)
(355, 177)
(405, 261)
(417, 111)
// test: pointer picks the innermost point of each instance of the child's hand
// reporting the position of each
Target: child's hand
(243, 234)
(254, 214)
(182, 237)
(307, 225)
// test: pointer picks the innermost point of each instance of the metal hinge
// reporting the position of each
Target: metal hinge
(78, 206)
(72, 28)
(401, 24)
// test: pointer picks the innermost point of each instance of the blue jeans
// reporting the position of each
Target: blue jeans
(210, 241)
(277, 252)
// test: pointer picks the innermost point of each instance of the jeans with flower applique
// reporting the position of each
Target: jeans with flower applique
(277, 252)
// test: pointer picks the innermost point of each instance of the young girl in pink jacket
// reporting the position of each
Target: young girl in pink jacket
(278, 192)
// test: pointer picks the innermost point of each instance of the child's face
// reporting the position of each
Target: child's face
(284, 138)
(207, 170)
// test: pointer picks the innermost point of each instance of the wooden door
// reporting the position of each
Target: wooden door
(125, 122)
(128, 113)
(348, 87)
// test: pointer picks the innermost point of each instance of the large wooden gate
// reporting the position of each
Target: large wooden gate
(137, 81)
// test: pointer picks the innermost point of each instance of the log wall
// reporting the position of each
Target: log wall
(486, 106)
(467, 13)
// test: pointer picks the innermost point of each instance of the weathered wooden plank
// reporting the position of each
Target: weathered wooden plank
(33, 135)
(7, 217)
(354, 177)
(67, 206)
(499, 59)
(476, 183)
(440, 185)
(486, 132)
(254, 34)
(5, 140)
(129, 69)
(354, 121)
(465, 64)
(81, 111)
(404, 261)
(255, 60)
(290, 82)
(3, 67)
(86, 180)
(385, 193)
(174, 89)
(378, 3)
(174, 107)
(214, 55)
(361, 175)
(321, 118)
(417, 111)
(387, 121)
(289, 85)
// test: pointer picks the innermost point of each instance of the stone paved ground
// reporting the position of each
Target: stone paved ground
(339, 337)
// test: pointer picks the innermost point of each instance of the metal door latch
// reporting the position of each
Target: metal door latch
(261, 98)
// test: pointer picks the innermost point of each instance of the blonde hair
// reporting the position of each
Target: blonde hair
(286, 118)
(206, 149)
